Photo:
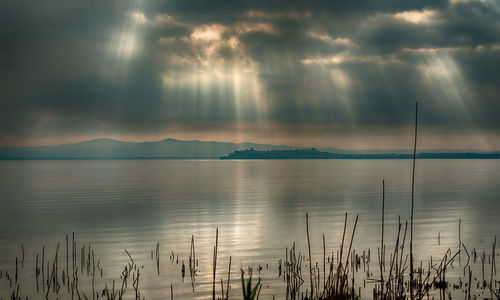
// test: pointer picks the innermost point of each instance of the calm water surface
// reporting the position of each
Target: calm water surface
(258, 206)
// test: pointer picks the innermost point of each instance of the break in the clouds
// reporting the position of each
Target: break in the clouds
(325, 73)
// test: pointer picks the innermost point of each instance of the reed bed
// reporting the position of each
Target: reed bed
(343, 274)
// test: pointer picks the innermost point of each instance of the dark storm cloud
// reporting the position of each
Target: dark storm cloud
(229, 8)
(107, 67)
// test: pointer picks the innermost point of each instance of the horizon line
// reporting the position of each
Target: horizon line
(245, 142)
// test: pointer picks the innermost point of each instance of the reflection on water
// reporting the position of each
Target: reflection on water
(258, 206)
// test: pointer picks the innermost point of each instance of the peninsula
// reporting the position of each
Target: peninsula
(314, 153)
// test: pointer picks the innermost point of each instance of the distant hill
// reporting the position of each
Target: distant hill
(113, 149)
(178, 149)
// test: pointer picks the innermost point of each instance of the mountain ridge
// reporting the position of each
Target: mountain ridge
(107, 148)
(103, 148)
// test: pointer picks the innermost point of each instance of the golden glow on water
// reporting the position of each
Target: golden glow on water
(258, 206)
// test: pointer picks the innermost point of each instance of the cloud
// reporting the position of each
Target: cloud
(418, 17)
(132, 68)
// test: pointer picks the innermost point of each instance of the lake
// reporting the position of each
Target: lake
(258, 206)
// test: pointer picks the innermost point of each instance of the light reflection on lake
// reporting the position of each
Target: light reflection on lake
(258, 206)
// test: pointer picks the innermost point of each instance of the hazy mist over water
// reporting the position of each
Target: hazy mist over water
(259, 207)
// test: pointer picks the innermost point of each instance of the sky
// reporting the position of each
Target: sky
(343, 74)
